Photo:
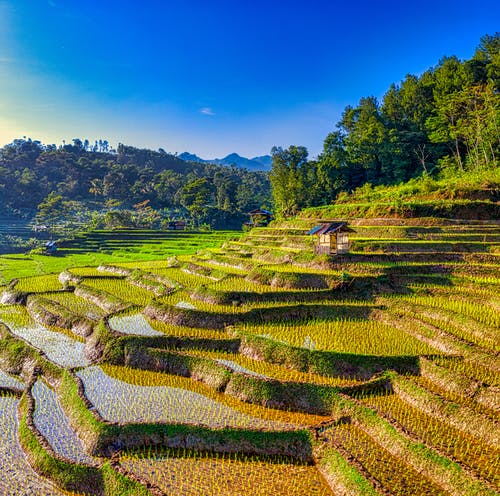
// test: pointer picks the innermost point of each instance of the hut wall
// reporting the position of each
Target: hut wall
(325, 244)
(342, 242)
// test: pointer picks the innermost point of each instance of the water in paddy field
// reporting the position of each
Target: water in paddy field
(51, 421)
(16, 476)
(10, 382)
(59, 348)
(111, 397)
(133, 324)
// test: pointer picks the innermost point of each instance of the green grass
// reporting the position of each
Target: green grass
(93, 249)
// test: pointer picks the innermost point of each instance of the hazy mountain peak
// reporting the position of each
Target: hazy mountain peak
(257, 163)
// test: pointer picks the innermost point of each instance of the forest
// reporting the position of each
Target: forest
(127, 187)
(442, 123)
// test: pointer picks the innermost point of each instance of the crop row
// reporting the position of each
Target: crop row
(193, 473)
(465, 448)
(391, 472)
(211, 406)
(276, 371)
(39, 284)
(77, 305)
(460, 398)
(122, 289)
(347, 336)
(485, 375)
(481, 313)
(455, 327)
(181, 331)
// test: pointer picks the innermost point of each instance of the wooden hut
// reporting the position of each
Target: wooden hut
(50, 248)
(332, 238)
(259, 218)
(177, 225)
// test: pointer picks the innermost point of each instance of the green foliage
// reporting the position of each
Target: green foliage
(445, 121)
(78, 185)
(290, 179)
(116, 484)
(336, 466)
(197, 197)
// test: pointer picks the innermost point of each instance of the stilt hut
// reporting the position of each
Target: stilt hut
(260, 218)
(332, 238)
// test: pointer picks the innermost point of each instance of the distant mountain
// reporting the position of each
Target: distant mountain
(265, 160)
(190, 157)
(256, 163)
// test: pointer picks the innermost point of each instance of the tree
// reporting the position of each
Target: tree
(52, 210)
(364, 132)
(115, 185)
(196, 197)
(166, 185)
(488, 55)
(145, 215)
(289, 179)
(334, 172)
(450, 79)
(479, 126)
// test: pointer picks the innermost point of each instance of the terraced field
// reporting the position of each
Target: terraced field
(256, 367)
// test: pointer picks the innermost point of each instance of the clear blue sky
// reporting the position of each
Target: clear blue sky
(215, 76)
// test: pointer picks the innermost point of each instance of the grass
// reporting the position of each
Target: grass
(93, 249)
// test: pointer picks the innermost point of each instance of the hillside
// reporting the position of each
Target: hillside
(461, 196)
(442, 124)
(257, 367)
(80, 184)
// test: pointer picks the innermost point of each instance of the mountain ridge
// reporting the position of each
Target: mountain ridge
(262, 162)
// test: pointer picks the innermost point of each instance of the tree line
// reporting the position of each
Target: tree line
(447, 119)
(126, 186)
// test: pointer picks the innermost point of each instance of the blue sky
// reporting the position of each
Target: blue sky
(216, 76)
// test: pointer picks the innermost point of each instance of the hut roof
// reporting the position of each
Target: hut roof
(259, 211)
(329, 227)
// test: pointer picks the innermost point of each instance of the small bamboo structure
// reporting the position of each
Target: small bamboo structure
(332, 238)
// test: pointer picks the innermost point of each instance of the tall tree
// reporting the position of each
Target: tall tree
(289, 179)
(364, 132)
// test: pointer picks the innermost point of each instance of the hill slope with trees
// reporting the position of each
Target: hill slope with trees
(444, 124)
(123, 187)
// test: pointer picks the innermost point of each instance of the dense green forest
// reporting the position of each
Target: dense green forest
(442, 124)
(125, 187)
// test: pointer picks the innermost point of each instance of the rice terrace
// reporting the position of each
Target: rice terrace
(312, 319)
(224, 363)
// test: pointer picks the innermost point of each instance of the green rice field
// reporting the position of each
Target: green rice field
(217, 363)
